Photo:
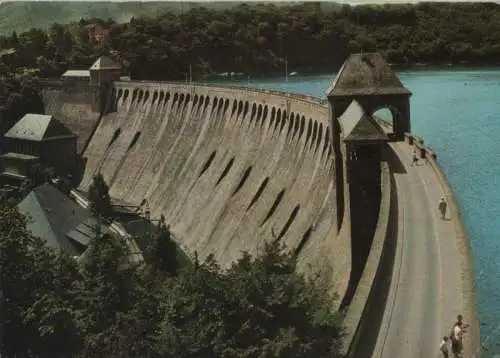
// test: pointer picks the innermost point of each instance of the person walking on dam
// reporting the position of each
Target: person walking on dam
(442, 207)
(456, 339)
(414, 160)
(443, 347)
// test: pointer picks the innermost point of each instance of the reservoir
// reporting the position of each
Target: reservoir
(457, 113)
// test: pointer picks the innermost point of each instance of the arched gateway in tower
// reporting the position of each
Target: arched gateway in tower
(368, 79)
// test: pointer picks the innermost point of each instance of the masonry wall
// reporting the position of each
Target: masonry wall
(227, 167)
(71, 104)
(363, 186)
(60, 153)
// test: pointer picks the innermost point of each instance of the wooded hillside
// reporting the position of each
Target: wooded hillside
(256, 40)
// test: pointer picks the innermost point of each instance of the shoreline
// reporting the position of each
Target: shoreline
(472, 339)
(395, 66)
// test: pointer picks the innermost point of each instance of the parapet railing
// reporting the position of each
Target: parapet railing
(298, 96)
(365, 312)
(303, 97)
(471, 339)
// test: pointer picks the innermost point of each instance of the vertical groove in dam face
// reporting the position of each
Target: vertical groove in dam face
(243, 180)
(271, 211)
(227, 167)
(226, 170)
(208, 162)
(258, 193)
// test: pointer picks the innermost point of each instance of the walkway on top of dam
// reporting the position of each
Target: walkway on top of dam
(427, 290)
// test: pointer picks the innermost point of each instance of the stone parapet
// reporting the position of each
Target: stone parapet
(365, 312)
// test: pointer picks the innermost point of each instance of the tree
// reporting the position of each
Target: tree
(162, 253)
(27, 100)
(100, 202)
(112, 307)
(36, 319)
(55, 312)
(119, 306)
(260, 307)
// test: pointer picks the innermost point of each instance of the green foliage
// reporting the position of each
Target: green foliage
(110, 307)
(35, 284)
(162, 254)
(54, 312)
(259, 308)
(255, 40)
(119, 311)
(100, 202)
(21, 15)
(22, 97)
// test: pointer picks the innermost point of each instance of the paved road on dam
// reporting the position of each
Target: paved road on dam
(426, 292)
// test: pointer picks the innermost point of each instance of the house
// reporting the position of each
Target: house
(37, 138)
(59, 221)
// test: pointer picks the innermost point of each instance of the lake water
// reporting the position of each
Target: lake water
(457, 113)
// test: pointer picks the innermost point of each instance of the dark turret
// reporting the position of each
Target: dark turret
(369, 80)
(102, 74)
(361, 147)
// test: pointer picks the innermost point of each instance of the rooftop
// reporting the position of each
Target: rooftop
(105, 63)
(358, 126)
(76, 73)
(366, 74)
(59, 221)
(38, 127)
(20, 156)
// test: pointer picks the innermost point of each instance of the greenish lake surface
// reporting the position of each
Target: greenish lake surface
(457, 113)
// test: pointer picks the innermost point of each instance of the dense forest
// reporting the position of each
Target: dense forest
(104, 304)
(22, 15)
(256, 40)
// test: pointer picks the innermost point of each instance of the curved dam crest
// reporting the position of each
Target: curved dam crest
(231, 168)
(228, 168)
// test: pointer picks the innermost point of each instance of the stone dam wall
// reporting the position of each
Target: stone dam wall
(365, 312)
(228, 168)
(71, 105)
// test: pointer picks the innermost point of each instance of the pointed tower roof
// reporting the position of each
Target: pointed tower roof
(366, 74)
(358, 126)
(38, 127)
(105, 63)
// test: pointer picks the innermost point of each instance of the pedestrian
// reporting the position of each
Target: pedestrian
(443, 347)
(460, 319)
(456, 340)
(442, 207)
(415, 159)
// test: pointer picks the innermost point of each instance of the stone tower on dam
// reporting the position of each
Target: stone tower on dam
(364, 84)
(230, 168)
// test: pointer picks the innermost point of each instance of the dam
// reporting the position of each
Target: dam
(230, 168)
